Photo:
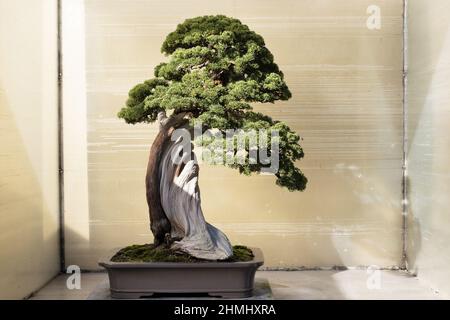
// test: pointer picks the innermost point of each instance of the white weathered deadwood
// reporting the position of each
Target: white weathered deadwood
(180, 199)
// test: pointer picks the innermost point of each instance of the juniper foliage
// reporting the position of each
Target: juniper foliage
(216, 68)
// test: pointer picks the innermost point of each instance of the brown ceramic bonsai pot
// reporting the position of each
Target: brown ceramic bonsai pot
(133, 280)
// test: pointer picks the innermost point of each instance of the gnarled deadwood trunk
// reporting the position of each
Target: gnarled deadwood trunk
(173, 197)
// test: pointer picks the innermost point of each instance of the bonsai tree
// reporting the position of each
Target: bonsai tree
(216, 67)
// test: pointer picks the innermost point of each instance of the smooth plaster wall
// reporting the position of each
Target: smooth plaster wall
(29, 151)
(428, 153)
(346, 82)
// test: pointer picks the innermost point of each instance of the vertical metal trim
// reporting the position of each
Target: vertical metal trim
(62, 262)
(404, 262)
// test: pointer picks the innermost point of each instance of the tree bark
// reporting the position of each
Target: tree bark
(159, 224)
(173, 197)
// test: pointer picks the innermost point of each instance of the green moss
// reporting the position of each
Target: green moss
(241, 253)
(150, 253)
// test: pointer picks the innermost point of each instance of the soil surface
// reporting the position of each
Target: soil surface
(152, 253)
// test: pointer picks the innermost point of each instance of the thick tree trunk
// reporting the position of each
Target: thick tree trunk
(159, 224)
(173, 197)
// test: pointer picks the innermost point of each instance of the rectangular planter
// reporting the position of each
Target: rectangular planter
(133, 280)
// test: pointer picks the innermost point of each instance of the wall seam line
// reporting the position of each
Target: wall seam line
(404, 262)
(60, 141)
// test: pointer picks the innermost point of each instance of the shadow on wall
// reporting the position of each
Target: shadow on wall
(29, 234)
(421, 71)
(29, 153)
(427, 54)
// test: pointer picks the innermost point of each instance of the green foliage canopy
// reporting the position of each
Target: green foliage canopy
(217, 66)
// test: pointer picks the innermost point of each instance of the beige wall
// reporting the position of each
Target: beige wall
(347, 105)
(429, 141)
(28, 138)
